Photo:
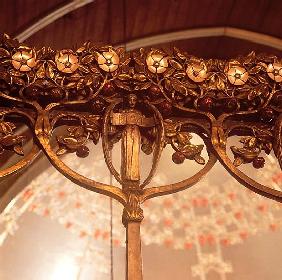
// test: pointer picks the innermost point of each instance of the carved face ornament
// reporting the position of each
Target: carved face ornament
(66, 61)
(24, 60)
(132, 100)
(237, 75)
(274, 71)
(197, 71)
(157, 62)
(108, 61)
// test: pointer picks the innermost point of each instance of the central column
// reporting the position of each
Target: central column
(133, 248)
(132, 221)
(131, 119)
(132, 214)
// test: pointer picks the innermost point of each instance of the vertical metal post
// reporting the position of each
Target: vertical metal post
(133, 252)
(131, 119)
(132, 218)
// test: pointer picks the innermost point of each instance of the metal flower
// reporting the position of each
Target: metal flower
(237, 75)
(197, 71)
(66, 61)
(274, 71)
(24, 60)
(157, 62)
(108, 61)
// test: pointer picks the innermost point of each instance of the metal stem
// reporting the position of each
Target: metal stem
(133, 251)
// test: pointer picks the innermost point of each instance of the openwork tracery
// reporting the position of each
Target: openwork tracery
(145, 99)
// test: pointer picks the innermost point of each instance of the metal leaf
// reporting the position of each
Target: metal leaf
(81, 49)
(199, 159)
(176, 65)
(140, 77)
(41, 72)
(4, 53)
(253, 80)
(9, 140)
(126, 61)
(169, 72)
(74, 78)
(179, 74)
(262, 80)
(71, 85)
(7, 127)
(61, 151)
(88, 80)
(179, 54)
(178, 86)
(87, 59)
(122, 85)
(19, 150)
(143, 86)
(124, 77)
(50, 72)
(168, 84)
(255, 70)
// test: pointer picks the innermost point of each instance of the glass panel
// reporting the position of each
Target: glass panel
(216, 230)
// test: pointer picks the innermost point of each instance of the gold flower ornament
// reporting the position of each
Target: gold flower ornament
(237, 75)
(157, 62)
(274, 71)
(108, 61)
(66, 61)
(197, 71)
(24, 59)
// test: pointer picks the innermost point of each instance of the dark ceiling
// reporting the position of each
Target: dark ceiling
(118, 21)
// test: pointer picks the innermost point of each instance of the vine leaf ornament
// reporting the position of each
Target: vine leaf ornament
(252, 147)
(85, 93)
(10, 141)
(78, 136)
(181, 143)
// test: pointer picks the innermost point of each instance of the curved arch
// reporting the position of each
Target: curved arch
(223, 31)
(25, 162)
(219, 143)
(78, 179)
(51, 17)
(180, 186)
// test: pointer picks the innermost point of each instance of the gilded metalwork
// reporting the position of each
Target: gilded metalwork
(145, 99)
(157, 61)
(274, 71)
(108, 61)
(66, 61)
(197, 70)
(180, 140)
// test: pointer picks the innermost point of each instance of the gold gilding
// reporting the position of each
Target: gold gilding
(66, 61)
(157, 62)
(108, 61)
(237, 75)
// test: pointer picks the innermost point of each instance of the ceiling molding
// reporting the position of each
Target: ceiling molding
(225, 31)
(51, 17)
(254, 37)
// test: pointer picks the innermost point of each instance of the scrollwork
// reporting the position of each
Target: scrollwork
(89, 90)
